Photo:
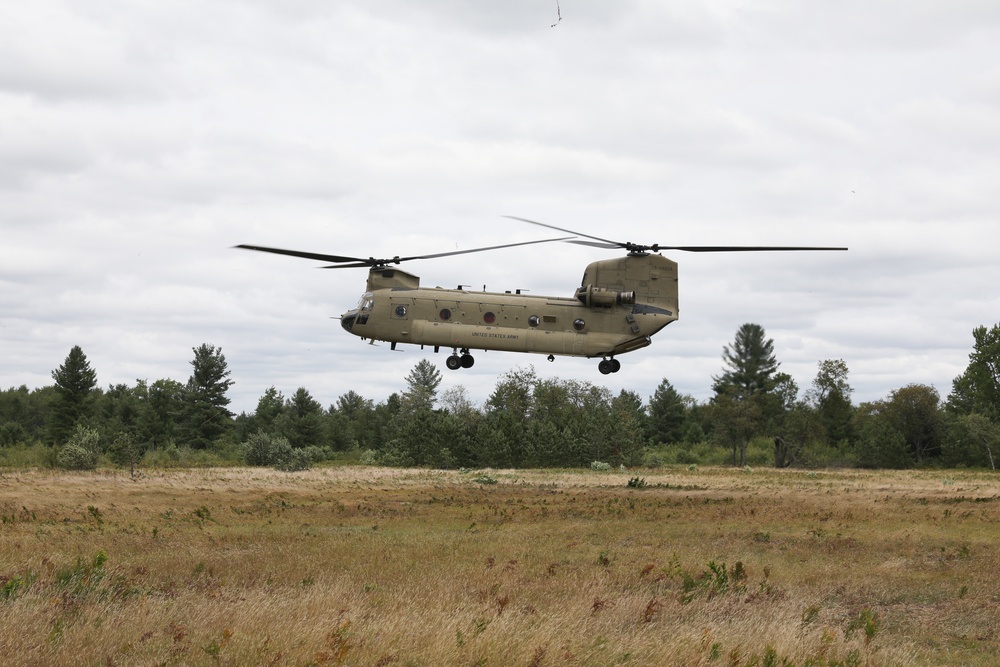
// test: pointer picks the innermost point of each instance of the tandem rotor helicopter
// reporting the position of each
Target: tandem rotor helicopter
(619, 306)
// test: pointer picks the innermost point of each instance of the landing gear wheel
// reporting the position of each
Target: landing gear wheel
(615, 365)
(467, 360)
(605, 367)
(453, 362)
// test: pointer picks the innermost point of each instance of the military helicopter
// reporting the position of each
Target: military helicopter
(620, 304)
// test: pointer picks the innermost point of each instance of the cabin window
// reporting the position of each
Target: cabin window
(579, 324)
(400, 311)
(489, 317)
(445, 314)
(534, 321)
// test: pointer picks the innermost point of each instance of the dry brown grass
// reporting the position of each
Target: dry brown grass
(363, 566)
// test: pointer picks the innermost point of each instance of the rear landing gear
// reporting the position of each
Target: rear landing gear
(608, 366)
(454, 362)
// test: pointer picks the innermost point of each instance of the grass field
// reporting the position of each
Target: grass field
(368, 566)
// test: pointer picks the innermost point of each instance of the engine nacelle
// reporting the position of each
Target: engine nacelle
(601, 297)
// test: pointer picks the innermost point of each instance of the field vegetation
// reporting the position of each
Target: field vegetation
(756, 416)
(360, 565)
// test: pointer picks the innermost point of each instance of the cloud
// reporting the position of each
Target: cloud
(138, 143)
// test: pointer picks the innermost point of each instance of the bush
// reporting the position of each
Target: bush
(262, 449)
(82, 450)
(652, 458)
(600, 466)
(125, 451)
(298, 459)
(74, 457)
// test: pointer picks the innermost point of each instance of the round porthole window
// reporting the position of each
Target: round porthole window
(489, 318)
(400, 311)
(579, 325)
(445, 314)
(533, 320)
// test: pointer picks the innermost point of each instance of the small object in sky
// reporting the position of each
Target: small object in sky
(558, 15)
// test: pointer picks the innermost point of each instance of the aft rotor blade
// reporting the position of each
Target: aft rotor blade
(739, 248)
(598, 242)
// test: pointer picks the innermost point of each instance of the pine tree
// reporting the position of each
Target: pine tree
(421, 386)
(751, 363)
(270, 406)
(75, 381)
(207, 416)
(667, 414)
(302, 420)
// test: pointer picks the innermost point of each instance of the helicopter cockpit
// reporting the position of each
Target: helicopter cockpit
(360, 314)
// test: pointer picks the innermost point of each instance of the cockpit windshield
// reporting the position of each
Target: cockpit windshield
(365, 306)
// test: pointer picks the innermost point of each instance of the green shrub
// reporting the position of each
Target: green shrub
(125, 451)
(297, 459)
(72, 457)
(82, 450)
(652, 458)
(262, 449)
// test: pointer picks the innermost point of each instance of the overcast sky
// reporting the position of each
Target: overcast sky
(140, 141)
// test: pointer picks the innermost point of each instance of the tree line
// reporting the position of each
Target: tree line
(757, 415)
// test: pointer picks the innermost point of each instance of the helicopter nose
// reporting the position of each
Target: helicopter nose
(347, 319)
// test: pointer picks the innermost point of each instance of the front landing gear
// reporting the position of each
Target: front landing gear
(454, 362)
(608, 366)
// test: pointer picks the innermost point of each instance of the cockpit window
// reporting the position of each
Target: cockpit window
(367, 302)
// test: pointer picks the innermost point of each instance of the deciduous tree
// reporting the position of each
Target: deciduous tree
(978, 388)
(913, 412)
(830, 394)
(736, 419)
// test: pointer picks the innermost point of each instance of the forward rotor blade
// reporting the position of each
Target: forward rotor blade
(341, 262)
(354, 265)
(611, 244)
(304, 255)
(596, 244)
(471, 250)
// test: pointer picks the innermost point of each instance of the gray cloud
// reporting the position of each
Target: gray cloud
(139, 143)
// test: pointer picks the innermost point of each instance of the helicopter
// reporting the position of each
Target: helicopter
(620, 305)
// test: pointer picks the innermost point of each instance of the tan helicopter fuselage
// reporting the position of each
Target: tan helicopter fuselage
(619, 306)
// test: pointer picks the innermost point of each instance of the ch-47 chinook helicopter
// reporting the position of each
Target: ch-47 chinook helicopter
(618, 307)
